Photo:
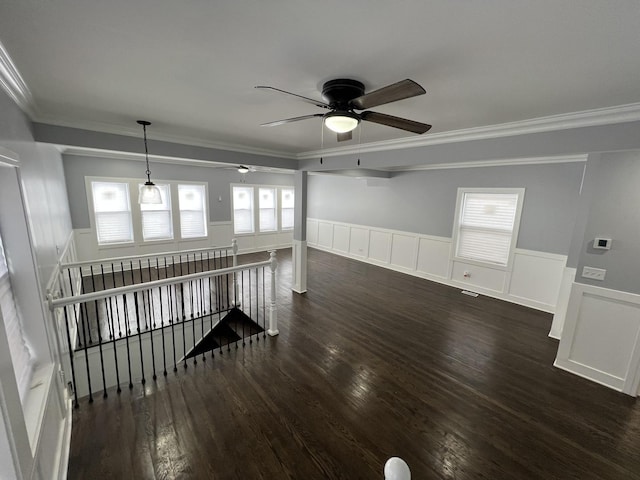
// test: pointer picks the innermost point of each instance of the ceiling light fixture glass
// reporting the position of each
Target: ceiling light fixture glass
(341, 122)
(243, 169)
(149, 193)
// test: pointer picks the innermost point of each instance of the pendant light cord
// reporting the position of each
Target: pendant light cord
(146, 153)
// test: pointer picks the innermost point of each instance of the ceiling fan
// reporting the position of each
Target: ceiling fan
(343, 96)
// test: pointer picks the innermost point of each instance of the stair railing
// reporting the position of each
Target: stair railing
(122, 333)
(72, 275)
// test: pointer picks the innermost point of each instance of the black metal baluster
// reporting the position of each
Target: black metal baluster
(257, 305)
(184, 316)
(115, 344)
(171, 288)
(75, 312)
(190, 287)
(95, 306)
(164, 351)
(144, 306)
(153, 353)
(83, 316)
(135, 300)
(264, 308)
(127, 325)
(243, 303)
(109, 318)
(71, 351)
(85, 319)
(209, 283)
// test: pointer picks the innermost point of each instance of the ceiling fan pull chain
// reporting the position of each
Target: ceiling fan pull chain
(321, 139)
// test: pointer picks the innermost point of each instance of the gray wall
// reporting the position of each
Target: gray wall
(615, 212)
(76, 168)
(424, 201)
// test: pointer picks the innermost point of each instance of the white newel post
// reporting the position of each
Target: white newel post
(273, 313)
(236, 287)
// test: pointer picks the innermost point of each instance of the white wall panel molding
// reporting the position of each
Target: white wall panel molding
(568, 278)
(601, 337)
(534, 281)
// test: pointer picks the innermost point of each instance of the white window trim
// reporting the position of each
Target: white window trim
(514, 236)
(136, 216)
(256, 208)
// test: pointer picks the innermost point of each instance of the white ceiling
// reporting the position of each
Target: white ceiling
(190, 67)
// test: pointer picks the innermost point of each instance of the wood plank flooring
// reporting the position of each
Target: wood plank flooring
(369, 364)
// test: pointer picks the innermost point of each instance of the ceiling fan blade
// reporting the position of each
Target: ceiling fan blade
(342, 137)
(391, 93)
(395, 122)
(289, 120)
(317, 103)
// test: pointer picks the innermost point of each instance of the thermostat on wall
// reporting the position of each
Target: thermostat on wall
(602, 243)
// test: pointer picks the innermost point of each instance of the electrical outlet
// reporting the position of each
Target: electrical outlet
(593, 273)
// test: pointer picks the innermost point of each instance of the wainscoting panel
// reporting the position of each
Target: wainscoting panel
(433, 256)
(325, 234)
(600, 340)
(477, 277)
(534, 281)
(537, 273)
(403, 251)
(379, 246)
(359, 242)
(341, 238)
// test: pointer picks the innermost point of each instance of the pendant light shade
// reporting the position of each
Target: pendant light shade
(149, 193)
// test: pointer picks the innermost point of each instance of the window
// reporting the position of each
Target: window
(243, 210)
(112, 212)
(156, 218)
(487, 223)
(287, 206)
(18, 346)
(268, 212)
(193, 211)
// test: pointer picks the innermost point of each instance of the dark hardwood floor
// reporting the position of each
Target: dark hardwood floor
(369, 364)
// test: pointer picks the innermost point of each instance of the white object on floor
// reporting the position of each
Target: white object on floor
(396, 469)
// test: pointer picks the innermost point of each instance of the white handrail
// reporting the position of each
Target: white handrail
(232, 247)
(88, 297)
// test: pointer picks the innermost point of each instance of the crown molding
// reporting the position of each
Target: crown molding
(12, 83)
(587, 118)
(104, 127)
(494, 163)
(139, 157)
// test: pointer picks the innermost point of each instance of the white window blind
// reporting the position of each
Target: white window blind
(156, 218)
(287, 206)
(268, 212)
(243, 210)
(112, 212)
(193, 211)
(486, 225)
(18, 345)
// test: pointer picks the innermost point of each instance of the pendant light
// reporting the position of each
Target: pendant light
(149, 193)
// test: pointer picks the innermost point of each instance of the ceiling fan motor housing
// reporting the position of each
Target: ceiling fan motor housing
(338, 93)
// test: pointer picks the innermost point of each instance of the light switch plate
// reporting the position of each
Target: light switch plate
(593, 273)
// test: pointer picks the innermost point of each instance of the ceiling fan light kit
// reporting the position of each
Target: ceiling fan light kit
(243, 169)
(343, 95)
(149, 193)
(341, 122)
